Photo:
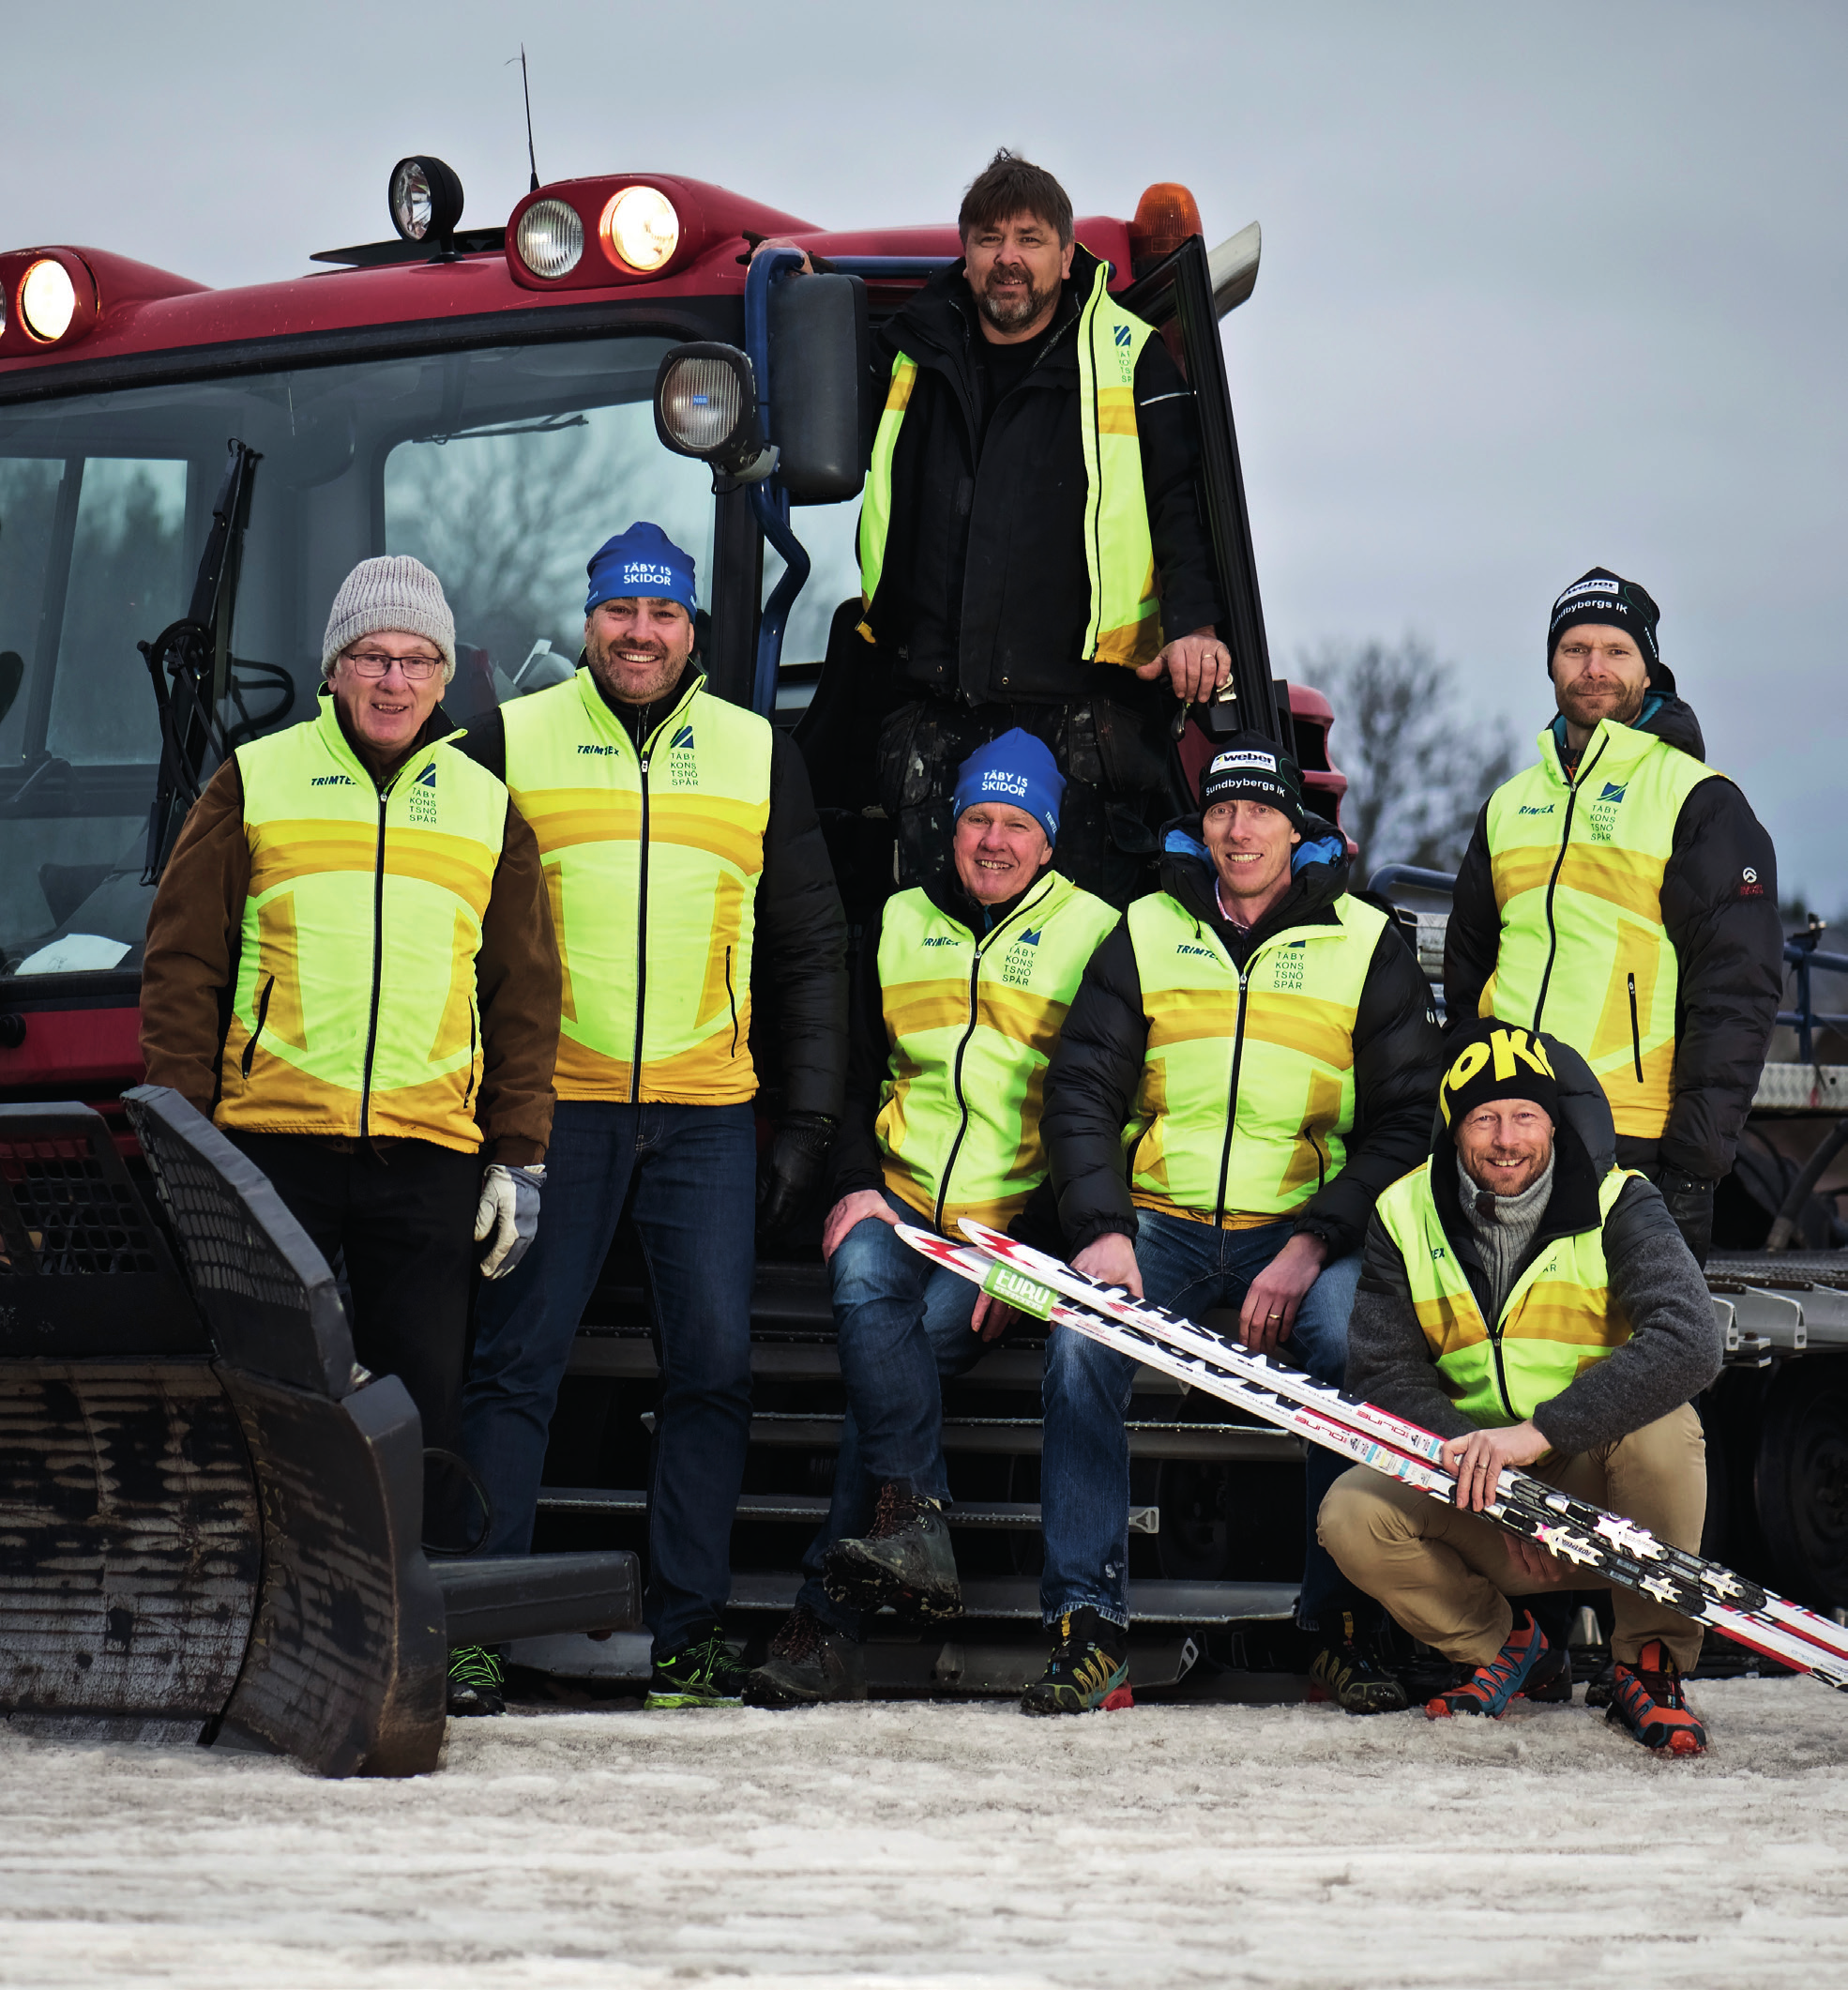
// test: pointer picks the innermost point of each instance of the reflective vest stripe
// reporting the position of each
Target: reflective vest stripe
(876, 508)
(970, 1026)
(1124, 621)
(1577, 868)
(652, 859)
(1556, 1321)
(1247, 1092)
(331, 1034)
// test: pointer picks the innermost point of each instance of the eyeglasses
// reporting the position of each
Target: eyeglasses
(375, 664)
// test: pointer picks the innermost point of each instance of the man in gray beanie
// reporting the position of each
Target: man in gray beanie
(351, 969)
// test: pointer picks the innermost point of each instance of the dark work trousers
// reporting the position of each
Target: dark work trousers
(689, 1174)
(403, 1213)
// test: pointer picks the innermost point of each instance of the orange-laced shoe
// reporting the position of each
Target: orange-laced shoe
(1496, 1683)
(1646, 1699)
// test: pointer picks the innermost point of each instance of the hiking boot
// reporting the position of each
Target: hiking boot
(906, 1559)
(1599, 1693)
(808, 1661)
(1550, 1683)
(475, 1682)
(1356, 1681)
(1646, 1699)
(704, 1672)
(1496, 1683)
(1089, 1668)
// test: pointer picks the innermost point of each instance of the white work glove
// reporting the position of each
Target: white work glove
(507, 1217)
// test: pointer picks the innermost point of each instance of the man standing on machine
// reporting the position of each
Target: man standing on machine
(1032, 550)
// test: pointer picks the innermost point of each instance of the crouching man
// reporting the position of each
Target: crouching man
(1249, 1061)
(1603, 1334)
(952, 1027)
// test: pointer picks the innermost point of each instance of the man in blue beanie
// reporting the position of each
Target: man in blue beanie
(954, 1019)
(684, 859)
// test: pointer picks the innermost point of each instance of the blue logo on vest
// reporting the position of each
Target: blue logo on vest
(1614, 791)
(683, 737)
(1122, 335)
(1030, 939)
(427, 778)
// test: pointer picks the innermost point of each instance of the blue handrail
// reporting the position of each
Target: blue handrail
(769, 501)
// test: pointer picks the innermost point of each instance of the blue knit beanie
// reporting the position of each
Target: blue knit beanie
(1018, 770)
(641, 561)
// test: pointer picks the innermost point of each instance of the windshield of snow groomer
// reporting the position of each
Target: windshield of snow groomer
(503, 470)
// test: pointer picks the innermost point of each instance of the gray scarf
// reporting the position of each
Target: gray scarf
(1503, 1226)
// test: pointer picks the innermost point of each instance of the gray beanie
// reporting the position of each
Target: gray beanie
(392, 592)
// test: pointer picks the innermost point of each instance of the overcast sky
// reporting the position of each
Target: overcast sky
(1543, 287)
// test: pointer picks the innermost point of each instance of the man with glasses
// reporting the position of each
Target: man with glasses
(351, 969)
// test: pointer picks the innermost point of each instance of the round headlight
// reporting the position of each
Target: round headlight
(550, 238)
(48, 300)
(425, 198)
(701, 401)
(641, 229)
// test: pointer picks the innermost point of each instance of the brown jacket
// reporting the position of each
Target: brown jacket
(196, 924)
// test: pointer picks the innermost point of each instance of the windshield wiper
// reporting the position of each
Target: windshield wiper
(190, 664)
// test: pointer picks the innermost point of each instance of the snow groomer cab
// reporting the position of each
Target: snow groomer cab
(185, 475)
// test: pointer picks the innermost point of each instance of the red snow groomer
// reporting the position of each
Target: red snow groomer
(207, 1514)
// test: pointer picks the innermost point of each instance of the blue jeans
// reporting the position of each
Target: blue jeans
(902, 1324)
(691, 1175)
(1084, 1482)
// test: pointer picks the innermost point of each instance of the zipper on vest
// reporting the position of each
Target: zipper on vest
(1635, 1032)
(468, 1090)
(1572, 788)
(378, 965)
(263, 1012)
(641, 934)
(1232, 1096)
(731, 1001)
(982, 947)
(1501, 1373)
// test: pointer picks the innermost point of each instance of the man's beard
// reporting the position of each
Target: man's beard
(1010, 317)
(1586, 711)
(609, 672)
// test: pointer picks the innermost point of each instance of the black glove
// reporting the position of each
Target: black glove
(798, 1155)
(1690, 1202)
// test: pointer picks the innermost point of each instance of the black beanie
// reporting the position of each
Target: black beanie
(1251, 766)
(1498, 1060)
(1602, 596)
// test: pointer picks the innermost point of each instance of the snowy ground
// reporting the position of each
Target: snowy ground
(954, 1845)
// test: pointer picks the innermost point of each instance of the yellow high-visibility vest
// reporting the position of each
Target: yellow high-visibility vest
(652, 859)
(1124, 625)
(355, 1009)
(1247, 1092)
(971, 1022)
(1578, 865)
(1557, 1321)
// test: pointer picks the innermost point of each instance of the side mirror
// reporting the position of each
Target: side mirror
(820, 389)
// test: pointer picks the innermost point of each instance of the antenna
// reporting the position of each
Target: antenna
(525, 90)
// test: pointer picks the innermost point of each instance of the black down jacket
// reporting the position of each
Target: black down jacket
(1720, 908)
(1092, 1083)
(984, 590)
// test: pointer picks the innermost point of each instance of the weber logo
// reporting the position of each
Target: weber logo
(1244, 757)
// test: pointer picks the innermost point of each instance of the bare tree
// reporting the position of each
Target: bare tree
(1419, 764)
